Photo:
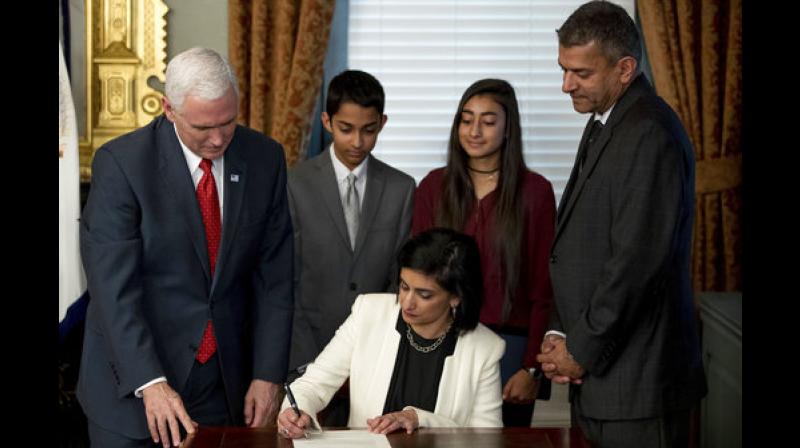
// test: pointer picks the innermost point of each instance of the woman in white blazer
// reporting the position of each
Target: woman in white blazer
(415, 359)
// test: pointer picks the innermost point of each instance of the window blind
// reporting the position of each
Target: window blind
(426, 53)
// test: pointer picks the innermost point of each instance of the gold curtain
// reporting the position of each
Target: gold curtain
(277, 48)
(695, 51)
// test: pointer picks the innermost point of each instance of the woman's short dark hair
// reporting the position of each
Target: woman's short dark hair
(452, 259)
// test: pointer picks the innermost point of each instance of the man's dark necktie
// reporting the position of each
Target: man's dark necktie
(208, 199)
(583, 151)
(597, 127)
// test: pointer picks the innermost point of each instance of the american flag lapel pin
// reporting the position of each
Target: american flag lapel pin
(234, 178)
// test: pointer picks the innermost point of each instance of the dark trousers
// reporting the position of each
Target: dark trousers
(517, 415)
(204, 394)
(203, 397)
(101, 438)
(510, 363)
(668, 431)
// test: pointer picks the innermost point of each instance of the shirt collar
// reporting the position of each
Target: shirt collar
(342, 171)
(192, 159)
(604, 116)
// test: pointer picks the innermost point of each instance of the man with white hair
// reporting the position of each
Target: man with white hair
(186, 242)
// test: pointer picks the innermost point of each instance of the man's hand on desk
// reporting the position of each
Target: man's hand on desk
(260, 403)
(165, 412)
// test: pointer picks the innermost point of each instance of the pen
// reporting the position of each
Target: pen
(290, 396)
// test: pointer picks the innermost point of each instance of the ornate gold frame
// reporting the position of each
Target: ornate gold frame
(125, 48)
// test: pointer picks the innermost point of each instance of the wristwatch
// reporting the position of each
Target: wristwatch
(537, 374)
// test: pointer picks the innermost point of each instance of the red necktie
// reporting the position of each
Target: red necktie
(209, 209)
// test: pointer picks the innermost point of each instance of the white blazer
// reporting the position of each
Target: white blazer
(364, 349)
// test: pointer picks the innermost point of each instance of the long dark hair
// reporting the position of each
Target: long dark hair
(458, 196)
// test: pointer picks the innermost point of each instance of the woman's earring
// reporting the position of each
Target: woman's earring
(453, 311)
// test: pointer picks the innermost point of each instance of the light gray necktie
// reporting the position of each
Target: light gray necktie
(351, 209)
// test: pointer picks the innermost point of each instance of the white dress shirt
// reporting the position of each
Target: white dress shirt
(604, 116)
(341, 177)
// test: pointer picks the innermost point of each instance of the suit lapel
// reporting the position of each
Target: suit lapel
(577, 181)
(372, 200)
(578, 177)
(573, 177)
(179, 188)
(454, 375)
(384, 363)
(235, 168)
(594, 153)
(328, 189)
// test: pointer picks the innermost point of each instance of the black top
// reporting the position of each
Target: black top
(416, 376)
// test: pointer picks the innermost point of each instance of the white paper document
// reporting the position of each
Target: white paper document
(343, 439)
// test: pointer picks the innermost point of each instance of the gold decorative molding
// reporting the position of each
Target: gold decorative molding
(126, 46)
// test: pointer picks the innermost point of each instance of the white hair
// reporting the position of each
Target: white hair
(200, 72)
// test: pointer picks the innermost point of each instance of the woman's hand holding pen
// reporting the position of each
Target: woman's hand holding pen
(291, 426)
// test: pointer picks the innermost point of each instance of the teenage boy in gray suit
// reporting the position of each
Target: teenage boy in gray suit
(626, 332)
(351, 213)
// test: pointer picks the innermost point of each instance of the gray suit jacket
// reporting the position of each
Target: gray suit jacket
(328, 273)
(144, 249)
(620, 265)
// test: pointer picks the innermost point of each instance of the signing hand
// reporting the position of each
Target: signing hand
(291, 426)
(393, 421)
(164, 409)
(260, 403)
(521, 388)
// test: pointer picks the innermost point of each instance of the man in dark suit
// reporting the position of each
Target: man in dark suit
(346, 236)
(626, 335)
(186, 242)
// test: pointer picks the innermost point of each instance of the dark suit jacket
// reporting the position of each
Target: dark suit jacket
(328, 273)
(620, 265)
(144, 251)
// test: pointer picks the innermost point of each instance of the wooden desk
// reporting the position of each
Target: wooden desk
(219, 437)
